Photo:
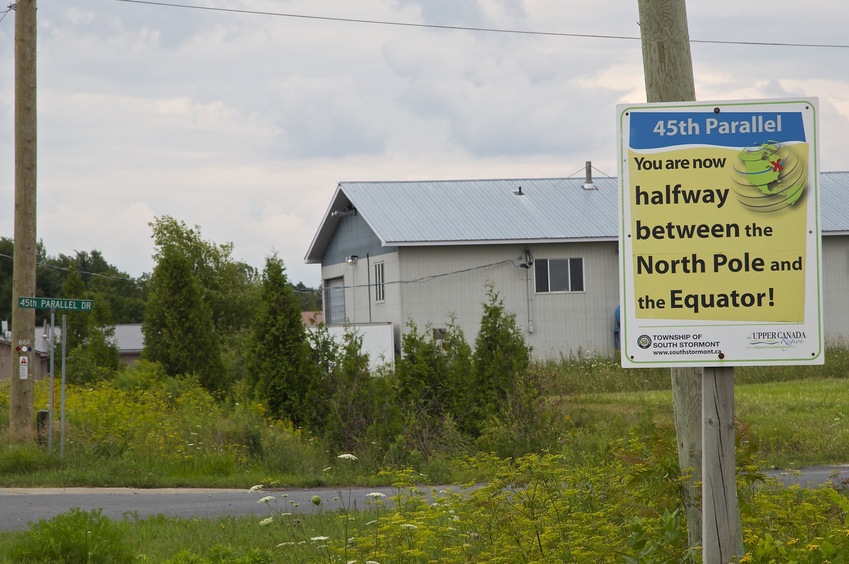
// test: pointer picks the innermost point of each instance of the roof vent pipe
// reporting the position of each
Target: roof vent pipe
(588, 182)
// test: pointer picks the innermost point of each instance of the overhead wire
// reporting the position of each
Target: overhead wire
(66, 269)
(469, 28)
(428, 26)
(5, 12)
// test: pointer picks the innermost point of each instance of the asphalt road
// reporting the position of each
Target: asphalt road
(814, 476)
(21, 506)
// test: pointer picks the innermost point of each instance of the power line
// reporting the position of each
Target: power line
(469, 28)
(6, 12)
(458, 27)
(66, 269)
(424, 279)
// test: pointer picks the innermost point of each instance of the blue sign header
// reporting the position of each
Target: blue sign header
(655, 130)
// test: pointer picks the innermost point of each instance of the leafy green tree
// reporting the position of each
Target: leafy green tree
(279, 350)
(76, 329)
(355, 411)
(228, 287)
(178, 329)
(126, 295)
(47, 280)
(309, 298)
(7, 252)
(348, 413)
(96, 357)
(100, 343)
(324, 358)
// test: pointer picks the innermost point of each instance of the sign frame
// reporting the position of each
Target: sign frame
(719, 242)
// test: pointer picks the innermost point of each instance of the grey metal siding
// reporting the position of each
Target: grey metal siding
(835, 289)
(441, 282)
(353, 236)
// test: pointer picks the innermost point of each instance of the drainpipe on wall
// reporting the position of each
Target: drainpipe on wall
(352, 261)
(529, 261)
(368, 288)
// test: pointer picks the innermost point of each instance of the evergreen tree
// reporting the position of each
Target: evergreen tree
(458, 355)
(178, 329)
(279, 348)
(500, 358)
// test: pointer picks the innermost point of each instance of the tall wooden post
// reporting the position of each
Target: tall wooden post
(668, 71)
(21, 412)
(723, 533)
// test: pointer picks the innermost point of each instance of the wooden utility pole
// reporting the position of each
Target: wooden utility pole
(704, 429)
(21, 420)
(722, 532)
(668, 70)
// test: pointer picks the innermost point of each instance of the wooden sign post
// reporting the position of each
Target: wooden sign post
(722, 531)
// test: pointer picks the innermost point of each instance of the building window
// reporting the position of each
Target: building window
(379, 294)
(559, 275)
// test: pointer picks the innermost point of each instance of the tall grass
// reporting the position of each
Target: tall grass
(144, 429)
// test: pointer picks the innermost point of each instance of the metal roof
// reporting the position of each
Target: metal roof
(834, 202)
(457, 212)
(129, 338)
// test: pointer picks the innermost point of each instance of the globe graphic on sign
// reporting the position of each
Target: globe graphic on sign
(769, 177)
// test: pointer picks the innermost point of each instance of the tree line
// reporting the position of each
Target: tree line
(126, 295)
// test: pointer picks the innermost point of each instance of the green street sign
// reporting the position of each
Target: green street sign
(55, 303)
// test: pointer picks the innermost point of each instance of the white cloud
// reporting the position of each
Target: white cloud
(244, 124)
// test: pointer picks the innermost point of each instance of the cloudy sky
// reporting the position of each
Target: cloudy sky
(244, 123)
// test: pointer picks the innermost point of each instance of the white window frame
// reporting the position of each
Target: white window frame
(544, 285)
(379, 282)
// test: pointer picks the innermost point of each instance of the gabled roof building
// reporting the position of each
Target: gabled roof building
(426, 251)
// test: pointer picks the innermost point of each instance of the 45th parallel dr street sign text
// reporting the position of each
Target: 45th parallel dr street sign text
(55, 303)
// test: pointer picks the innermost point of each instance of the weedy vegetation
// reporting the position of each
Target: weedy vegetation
(568, 461)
